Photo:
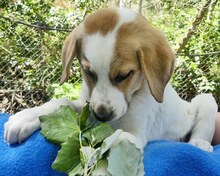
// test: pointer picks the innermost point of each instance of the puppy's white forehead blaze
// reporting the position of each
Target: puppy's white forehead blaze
(99, 49)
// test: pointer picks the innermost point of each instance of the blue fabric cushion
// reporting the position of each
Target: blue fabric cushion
(161, 158)
(31, 158)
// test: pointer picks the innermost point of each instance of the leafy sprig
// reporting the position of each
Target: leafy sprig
(89, 149)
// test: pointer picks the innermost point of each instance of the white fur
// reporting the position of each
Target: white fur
(126, 16)
(99, 50)
(145, 118)
(104, 93)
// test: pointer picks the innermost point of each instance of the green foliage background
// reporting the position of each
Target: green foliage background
(30, 56)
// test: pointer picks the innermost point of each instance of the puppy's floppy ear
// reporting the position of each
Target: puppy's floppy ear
(157, 63)
(69, 51)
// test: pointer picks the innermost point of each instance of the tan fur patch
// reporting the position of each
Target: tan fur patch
(122, 66)
(137, 40)
(102, 21)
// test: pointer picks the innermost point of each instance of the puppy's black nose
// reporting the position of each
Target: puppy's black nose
(103, 114)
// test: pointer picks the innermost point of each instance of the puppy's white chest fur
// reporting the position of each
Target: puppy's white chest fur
(151, 120)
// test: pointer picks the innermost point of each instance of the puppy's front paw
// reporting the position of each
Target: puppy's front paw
(202, 144)
(21, 125)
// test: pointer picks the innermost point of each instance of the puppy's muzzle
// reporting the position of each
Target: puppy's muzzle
(103, 114)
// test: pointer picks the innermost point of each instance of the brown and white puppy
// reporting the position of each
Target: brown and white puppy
(126, 66)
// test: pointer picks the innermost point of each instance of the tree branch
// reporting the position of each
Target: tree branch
(195, 25)
(140, 6)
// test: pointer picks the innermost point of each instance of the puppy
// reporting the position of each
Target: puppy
(126, 66)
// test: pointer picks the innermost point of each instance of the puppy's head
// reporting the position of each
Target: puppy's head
(118, 50)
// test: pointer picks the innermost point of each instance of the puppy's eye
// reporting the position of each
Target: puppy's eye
(91, 74)
(121, 77)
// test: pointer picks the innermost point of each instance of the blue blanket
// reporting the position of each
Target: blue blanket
(161, 158)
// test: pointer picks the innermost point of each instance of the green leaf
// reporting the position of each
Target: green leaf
(69, 156)
(98, 133)
(101, 168)
(77, 171)
(58, 126)
(84, 116)
(89, 156)
(125, 159)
